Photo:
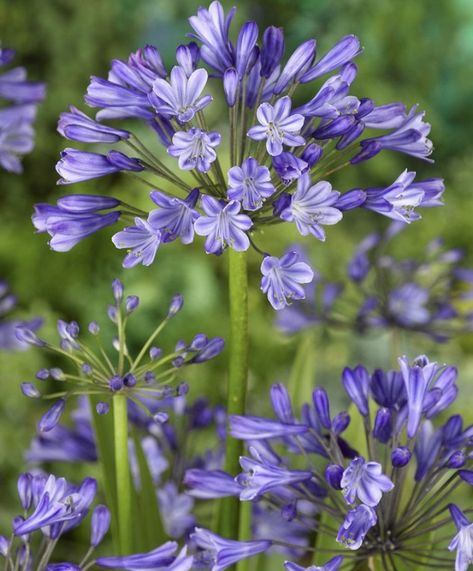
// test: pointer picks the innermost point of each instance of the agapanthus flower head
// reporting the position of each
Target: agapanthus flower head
(9, 324)
(106, 376)
(424, 295)
(303, 463)
(17, 116)
(53, 506)
(279, 163)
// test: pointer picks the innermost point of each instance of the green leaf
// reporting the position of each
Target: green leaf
(148, 520)
(103, 428)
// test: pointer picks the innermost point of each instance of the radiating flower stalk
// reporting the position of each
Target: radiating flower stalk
(274, 167)
(117, 380)
(389, 497)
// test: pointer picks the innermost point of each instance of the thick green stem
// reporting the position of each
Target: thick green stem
(237, 379)
(122, 471)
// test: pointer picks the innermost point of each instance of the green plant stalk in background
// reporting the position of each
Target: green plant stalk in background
(122, 472)
(229, 519)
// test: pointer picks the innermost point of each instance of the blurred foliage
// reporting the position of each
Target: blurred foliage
(416, 52)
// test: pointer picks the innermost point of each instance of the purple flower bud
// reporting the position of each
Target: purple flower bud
(312, 154)
(178, 362)
(336, 128)
(199, 342)
(340, 422)
(245, 44)
(281, 203)
(129, 380)
(457, 460)
(272, 50)
(87, 369)
(25, 335)
(112, 313)
(350, 200)
(155, 353)
(181, 345)
(333, 475)
(149, 377)
(99, 525)
(289, 167)
(24, 490)
(102, 408)
(50, 419)
(94, 328)
(131, 303)
(401, 456)
(356, 382)
(161, 417)
(289, 511)
(79, 203)
(282, 403)
(187, 57)
(466, 476)
(57, 374)
(117, 289)
(4, 546)
(342, 52)
(383, 425)
(322, 407)
(30, 391)
(42, 374)
(175, 306)
(116, 383)
(182, 389)
(296, 65)
(214, 347)
(230, 85)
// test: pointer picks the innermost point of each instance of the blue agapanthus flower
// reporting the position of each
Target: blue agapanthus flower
(9, 324)
(378, 488)
(148, 377)
(52, 507)
(20, 99)
(282, 146)
(429, 295)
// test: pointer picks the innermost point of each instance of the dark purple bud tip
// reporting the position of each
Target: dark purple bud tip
(401, 456)
(116, 383)
(149, 377)
(178, 362)
(132, 302)
(50, 419)
(42, 374)
(25, 335)
(176, 305)
(340, 422)
(333, 475)
(155, 353)
(161, 417)
(30, 391)
(129, 380)
(117, 289)
(457, 460)
(102, 408)
(94, 328)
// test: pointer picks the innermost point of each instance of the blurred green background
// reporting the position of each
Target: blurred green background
(415, 52)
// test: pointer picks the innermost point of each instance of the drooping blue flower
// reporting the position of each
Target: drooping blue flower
(259, 476)
(175, 217)
(312, 206)
(211, 484)
(195, 149)
(357, 524)
(142, 241)
(162, 556)
(282, 278)
(462, 543)
(278, 126)
(219, 553)
(9, 325)
(77, 126)
(223, 225)
(178, 509)
(181, 97)
(250, 184)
